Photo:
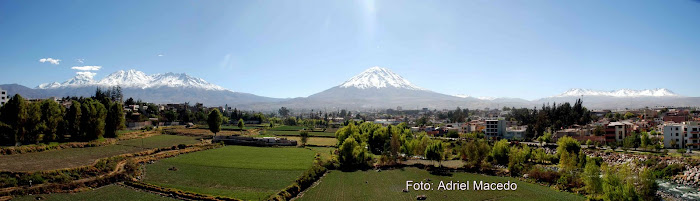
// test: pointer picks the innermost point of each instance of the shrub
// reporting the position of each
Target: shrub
(7, 181)
(500, 152)
(542, 175)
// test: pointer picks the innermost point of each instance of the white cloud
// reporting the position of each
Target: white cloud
(50, 60)
(80, 60)
(160, 55)
(86, 74)
(86, 68)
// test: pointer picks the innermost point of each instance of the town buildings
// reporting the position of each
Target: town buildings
(3, 97)
(495, 128)
(682, 135)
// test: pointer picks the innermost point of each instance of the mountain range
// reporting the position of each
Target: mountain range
(374, 88)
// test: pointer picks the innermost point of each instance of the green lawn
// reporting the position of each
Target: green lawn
(388, 185)
(248, 173)
(106, 193)
(74, 157)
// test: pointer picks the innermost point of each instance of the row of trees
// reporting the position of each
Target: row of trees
(551, 117)
(86, 119)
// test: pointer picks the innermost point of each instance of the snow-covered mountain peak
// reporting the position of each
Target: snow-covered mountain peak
(136, 79)
(659, 92)
(378, 77)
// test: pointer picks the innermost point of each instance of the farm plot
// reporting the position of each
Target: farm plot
(106, 193)
(297, 133)
(388, 185)
(316, 141)
(249, 173)
(75, 157)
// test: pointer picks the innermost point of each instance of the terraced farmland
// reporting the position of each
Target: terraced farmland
(74, 157)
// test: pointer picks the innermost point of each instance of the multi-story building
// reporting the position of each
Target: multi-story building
(617, 131)
(495, 128)
(3, 97)
(682, 135)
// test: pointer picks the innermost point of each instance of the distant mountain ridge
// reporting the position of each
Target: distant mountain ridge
(659, 92)
(136, 79)
(373, 88)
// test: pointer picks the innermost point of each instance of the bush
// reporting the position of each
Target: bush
(32, 179)
(542, 175)
(7, 181)
(500, 152)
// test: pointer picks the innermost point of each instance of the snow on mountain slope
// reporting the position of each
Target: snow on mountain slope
(378, 77)
(480, 97)
(660, 92)
(136, 79)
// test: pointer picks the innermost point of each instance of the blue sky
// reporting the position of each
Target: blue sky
(526, 49)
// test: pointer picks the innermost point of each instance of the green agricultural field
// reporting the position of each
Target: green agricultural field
(388, 185)
(317, 141)
(297, 133)
(74, 157)
(159, 141)
(106, 193)
(324, 151)
(287, 128)
(249, 173)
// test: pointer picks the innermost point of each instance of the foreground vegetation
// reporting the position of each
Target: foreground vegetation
(106, 193)
(388, 185)
(249, 173)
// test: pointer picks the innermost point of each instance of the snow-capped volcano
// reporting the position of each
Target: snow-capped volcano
(378, 77)
(660, 92)
(136, 79)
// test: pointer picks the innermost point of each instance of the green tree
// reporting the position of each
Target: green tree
(568, 144)
(92, 120)
(304, 137)
(546, 138)
(115, 120)
(241, 125)
(518, 159)
(647, 185)
(395, 145)
(214, 121)
(51, 116)
(72, 119)
(33, 125)
(14, 116)
(591, 178)
(500, 152)
(434, 151)
(474, 153)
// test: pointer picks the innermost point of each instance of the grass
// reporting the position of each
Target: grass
(296, 133)
(106, 193)
(249, 173)
(318, 141)
(75, 157)
(287, 128)
(324, 151)
(388, 185)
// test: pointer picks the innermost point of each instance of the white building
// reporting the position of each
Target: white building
(3, 97)
(684, 135)
(515, 133)
(495, 128)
